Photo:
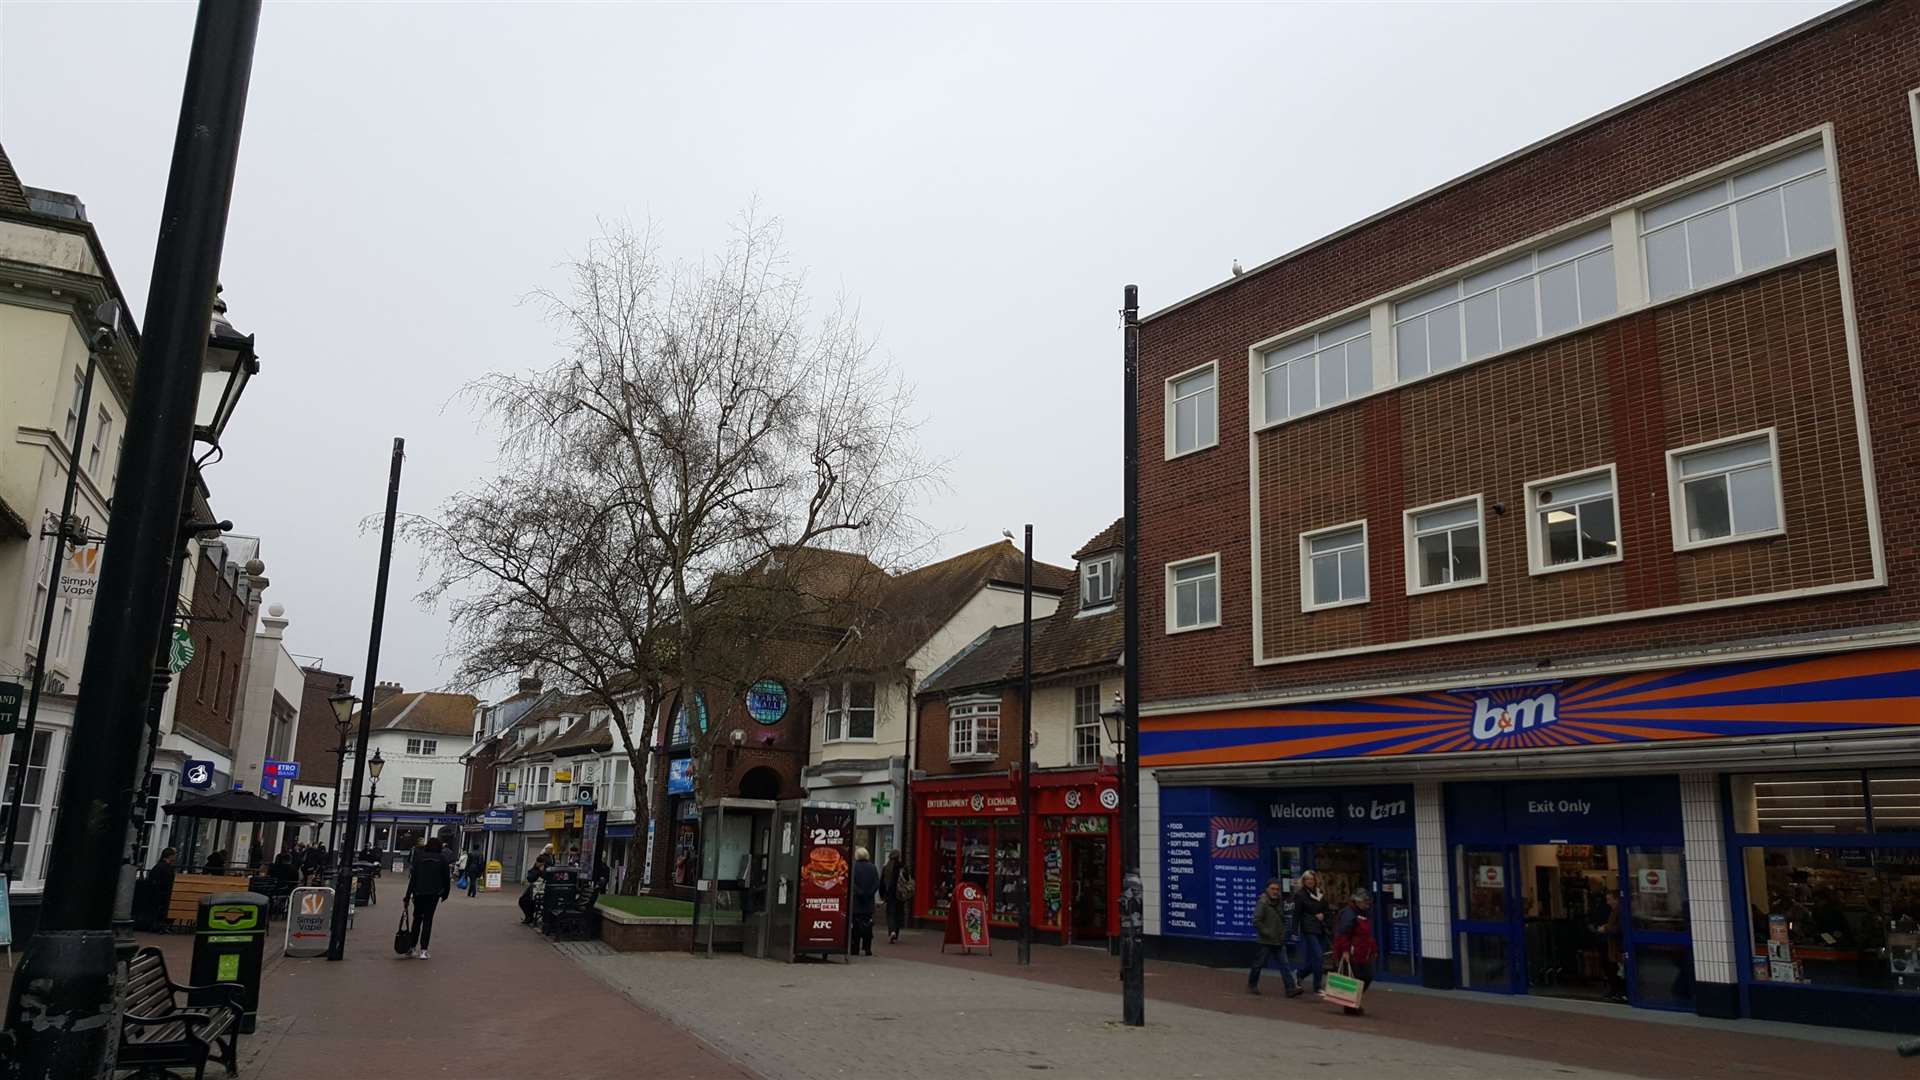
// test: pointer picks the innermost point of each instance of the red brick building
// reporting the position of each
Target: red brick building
(1528, 554)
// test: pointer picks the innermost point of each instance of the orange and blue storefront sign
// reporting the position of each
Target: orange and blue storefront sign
(1851, 691)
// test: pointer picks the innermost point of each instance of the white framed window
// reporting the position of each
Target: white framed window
(38, 798)
(1321, 369)
(102, 431)
(1573, 521)
(1193, 410)
(850, 712)
(416, 791)
(1726, 490)
(422, 747)
(540, 779)
(73, 411)
(1193, 594)
(63, 636)
(619, 786)
(1097, 581)
(973, 729)
(1333, 566)
(1778, 210)
(1445, 543)
(1086, 725)
(1518, 301)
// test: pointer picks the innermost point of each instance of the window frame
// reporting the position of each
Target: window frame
(422, 791)
(1074, 729)
(1676, 491)
(1749, 164)
(1537, 564)
(1111, 573)
(1172, 422)
(845, 713)
(1172, 600)
(1411, 538)
(97, 452)
(1261, 368)
(977, 708)
(1306, 566)
(72, 427)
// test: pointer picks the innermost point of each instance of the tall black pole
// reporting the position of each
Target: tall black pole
(339, 774)
(24, 740)
(1133, 957)
(343, 877)
(1026, 752)
(62, 1016)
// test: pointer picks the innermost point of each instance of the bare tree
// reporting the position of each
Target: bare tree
(702, 426)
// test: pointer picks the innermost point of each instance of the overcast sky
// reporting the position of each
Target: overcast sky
(984, 179)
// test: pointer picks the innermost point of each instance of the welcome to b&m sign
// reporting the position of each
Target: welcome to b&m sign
(1860, 690)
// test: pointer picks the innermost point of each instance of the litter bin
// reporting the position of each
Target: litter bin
(229, 938)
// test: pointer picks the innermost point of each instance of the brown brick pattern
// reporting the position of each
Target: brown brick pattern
(1708, 365)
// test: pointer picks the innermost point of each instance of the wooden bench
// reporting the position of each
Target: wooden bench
(184, 907)
(159, 1033)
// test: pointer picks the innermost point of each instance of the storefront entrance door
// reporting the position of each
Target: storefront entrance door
(1569, 897)
(1087, 865)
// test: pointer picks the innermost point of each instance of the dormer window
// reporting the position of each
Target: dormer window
(1097, 581)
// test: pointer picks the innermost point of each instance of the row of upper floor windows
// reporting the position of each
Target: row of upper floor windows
(1754, 215)
(1719, 492)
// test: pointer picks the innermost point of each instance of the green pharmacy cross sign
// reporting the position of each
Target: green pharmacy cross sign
(881, 802)
(179, 651)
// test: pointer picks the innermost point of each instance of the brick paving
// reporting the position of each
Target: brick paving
(496, 1000)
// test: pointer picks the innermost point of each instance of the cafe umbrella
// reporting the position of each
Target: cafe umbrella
(235, 806)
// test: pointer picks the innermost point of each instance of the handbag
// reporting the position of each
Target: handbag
(1342, 987)
(462, 883)
(405, 937)
(903, 888)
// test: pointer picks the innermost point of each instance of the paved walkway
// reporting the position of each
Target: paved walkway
(496, 1000)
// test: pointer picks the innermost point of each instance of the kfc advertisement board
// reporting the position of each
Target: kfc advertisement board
(826, 876)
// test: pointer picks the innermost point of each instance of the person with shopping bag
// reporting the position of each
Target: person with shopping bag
(1354, 949)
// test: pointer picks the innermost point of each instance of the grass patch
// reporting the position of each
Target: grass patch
(650, 907)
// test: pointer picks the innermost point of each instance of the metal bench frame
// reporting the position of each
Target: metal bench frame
(207, 1032)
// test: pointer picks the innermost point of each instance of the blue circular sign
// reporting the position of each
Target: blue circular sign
(767, 701)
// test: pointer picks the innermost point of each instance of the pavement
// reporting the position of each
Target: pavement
(915, 1011)
(496, 1000)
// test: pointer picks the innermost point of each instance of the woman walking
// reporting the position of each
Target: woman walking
(866, 885)
(1353, 942)
(1310, 923)
(428, 883)
(890, 880)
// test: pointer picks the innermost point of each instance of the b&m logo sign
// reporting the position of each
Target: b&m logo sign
(1234, 837)
(1871, 689)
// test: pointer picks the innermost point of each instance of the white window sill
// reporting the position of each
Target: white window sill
(1422, 590)
(1307, 608)
(1189, 452)
(1197, 626)
(1722, 541)
(962, 759)
(851, 739)
(1583, 564)
(1102, 609)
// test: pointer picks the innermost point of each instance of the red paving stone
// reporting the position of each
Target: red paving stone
(496, 1000)
(1624, 1044)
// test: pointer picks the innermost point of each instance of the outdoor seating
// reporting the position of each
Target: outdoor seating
(160, 1034)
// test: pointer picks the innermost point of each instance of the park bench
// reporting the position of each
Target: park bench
(159, 1033)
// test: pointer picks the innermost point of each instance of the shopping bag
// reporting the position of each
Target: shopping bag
(405, 937)
(462, 883)
(1343, 988)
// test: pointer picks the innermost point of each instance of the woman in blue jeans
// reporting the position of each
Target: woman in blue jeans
(1310, 924)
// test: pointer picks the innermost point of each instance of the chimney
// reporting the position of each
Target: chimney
(385, 690)
(530, 684)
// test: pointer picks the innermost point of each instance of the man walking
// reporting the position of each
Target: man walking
(476, 868)
(428, 883)
(1270, 924)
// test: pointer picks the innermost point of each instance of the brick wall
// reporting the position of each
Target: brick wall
(482, 777)
(209, 690)
(1646, 382)
(319, 737)
(930, 741)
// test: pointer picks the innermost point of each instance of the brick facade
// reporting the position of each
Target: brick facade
(319, 737)
(930, 742)
(209, 687)
(1764, 350)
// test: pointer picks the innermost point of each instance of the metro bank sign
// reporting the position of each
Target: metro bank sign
(1872, 689)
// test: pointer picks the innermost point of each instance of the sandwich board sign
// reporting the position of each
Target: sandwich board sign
(309, 920)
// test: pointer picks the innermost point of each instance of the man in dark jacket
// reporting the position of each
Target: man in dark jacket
(1270, 925)
(428, 883)
(1311, 919)
(866, 886)
(159, 884)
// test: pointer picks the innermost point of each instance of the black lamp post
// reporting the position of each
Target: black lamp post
(1133, 973)
(342, 722)
(375, 765)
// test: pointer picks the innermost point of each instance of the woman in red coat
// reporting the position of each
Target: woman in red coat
(1353, 940)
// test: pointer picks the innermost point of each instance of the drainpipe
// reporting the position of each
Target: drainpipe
(906, 787)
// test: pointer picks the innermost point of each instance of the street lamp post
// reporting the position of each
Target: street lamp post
(1133, 974)
(375, 765)
(63, 1016)
(343, 722)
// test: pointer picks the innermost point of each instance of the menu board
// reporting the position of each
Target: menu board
(1233, 856)
(1184, 881)
(826, 841)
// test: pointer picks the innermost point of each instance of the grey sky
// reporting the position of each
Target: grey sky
(984, 179)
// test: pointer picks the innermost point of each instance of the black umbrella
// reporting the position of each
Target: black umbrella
(236, 805)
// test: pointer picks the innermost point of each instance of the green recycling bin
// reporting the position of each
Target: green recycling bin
(229, 939)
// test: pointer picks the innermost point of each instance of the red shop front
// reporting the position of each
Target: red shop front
(969, 830)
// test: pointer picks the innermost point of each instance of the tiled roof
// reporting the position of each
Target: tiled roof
(579, 735)
(12, 524)
(986, 662)
(913, 606)
(12, 196)
(1109, 539)
(427, 710)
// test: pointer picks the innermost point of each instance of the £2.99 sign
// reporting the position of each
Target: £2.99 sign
(826, 873)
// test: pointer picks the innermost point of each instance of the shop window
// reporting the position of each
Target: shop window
(1006, 874)
(973, 730)
(1725, 490)
(1808, 803)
